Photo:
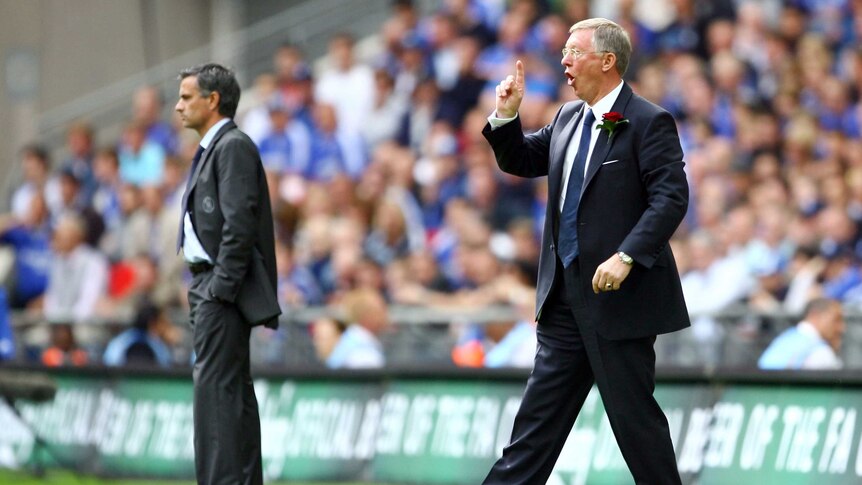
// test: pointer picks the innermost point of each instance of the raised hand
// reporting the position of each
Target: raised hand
(510, 92)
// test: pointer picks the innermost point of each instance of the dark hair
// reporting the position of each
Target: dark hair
(109, 152)
(216, 78)
(37, 151)
(147, 313)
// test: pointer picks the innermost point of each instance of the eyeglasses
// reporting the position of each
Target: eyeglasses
(577, 53)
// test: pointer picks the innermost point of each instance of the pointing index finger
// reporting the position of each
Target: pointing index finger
(519, 73)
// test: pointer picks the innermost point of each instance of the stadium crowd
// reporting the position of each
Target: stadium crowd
(384, 191)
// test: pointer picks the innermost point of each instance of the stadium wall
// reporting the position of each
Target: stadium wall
(443, 427)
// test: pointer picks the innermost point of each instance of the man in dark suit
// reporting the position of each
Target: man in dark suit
(608, 283)
(226, 234)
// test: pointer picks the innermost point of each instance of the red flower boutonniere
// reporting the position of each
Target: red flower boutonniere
(611, 121)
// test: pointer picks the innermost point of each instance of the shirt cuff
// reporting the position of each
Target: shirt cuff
(498, 122)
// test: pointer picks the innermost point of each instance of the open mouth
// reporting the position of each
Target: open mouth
(570, 79)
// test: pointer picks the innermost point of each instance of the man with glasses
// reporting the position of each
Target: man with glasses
(608, 283)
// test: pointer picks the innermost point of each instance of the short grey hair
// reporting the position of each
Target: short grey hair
(608, 36)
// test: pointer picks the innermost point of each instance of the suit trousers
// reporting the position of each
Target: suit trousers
(570, 357)
(226, 419)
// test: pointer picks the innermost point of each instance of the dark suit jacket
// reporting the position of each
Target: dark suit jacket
(634, 196)
(230, 210)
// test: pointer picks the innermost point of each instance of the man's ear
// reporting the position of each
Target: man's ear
(213, 100)
(609, 62)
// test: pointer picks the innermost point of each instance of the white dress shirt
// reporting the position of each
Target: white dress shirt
(193, 250)
(603, 106)
(822, 358)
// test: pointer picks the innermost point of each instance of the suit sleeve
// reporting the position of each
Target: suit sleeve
(525, 156)
(237, 172)
(661, 165)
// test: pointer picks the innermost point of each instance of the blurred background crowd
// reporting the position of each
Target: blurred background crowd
(400, 241)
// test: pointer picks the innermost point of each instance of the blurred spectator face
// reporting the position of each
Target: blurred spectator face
(285, 62)
(37, 212)
(834, 224)
(79, 140)
(325, 118)
(34, 166)
(152, 199)
(791, 23)
(134, 137)
(315, 238)
(513, 28)
(341, 52)
(482, 266)
(830, 324)
(146, 105)
(526, 245)
(279, 118)
(679, 247)
(106, 166)
(739, 226)
(390, 221)
(442, 31)
(712, 199)
(468, 49)
(367, 307)
(130, 199)
(68, 234)
(146, 274)
(697, 97)
(765, 166)
(651, 82)
(422, 267)
(325, 334)
(772, 224)
(833, 94)
(69, 189)
(482, 187)
(719, 36)
(341, 192)
(368, 274)
(702, 250)
(317, 201)
(175, 173)
(834, 190)
(283, 259)
(383, 84)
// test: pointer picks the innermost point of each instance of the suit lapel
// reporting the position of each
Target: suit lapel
(603, 144)
(206, 154)
(558, 158)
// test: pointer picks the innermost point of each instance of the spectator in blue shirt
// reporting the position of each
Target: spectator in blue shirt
(147, 109)
(142, 162)
(146, 343)
(812, 344)
(30, 238)
(275, 148)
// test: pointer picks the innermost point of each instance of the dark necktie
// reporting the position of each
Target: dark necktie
(567, 241)
(185, 206)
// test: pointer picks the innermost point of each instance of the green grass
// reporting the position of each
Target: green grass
(10, 477)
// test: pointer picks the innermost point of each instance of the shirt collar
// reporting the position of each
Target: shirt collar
(605, 104)
(808, 329)
(211, 133)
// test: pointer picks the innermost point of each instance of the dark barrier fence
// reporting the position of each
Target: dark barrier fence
(734, 337)
(446, 426)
